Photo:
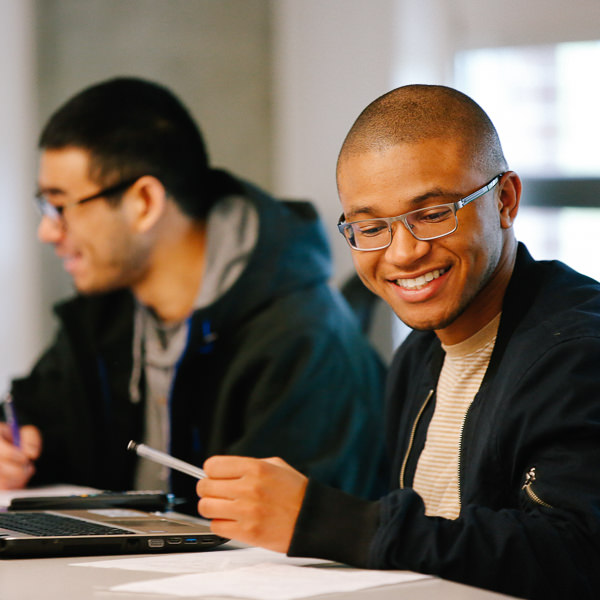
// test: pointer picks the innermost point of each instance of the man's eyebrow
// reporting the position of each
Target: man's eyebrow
(413, 203)
(433, 193)
(51, 191)
(360, 210)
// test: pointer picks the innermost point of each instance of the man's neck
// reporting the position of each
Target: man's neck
(172, 282)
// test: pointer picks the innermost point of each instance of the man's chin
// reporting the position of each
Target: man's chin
(425, 322)
(89, 288)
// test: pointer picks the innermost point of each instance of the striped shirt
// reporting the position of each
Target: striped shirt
(465, 364)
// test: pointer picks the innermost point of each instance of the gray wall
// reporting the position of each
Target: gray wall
(275, 85)
(20, 309)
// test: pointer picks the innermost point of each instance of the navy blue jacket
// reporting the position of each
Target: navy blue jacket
(529, 468)
(275, 367)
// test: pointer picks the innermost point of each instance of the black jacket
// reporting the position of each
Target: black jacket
(529, 464)
(275, 367)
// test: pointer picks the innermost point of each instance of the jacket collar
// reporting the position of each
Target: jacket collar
(520, 294)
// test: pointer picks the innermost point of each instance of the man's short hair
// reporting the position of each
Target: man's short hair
(132, 127)
(415, 113)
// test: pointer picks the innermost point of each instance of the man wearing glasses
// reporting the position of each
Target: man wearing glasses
(493, 417)
(203, 322)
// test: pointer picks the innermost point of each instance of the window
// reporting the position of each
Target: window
(544, 102)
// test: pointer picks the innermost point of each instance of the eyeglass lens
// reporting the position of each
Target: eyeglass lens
(47, 209)
(424, 224)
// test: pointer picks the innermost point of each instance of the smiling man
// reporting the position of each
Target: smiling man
(455, 285)
(492, 414)
(203, 322)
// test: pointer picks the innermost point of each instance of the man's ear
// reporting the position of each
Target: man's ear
(146, 203)
(509, 198)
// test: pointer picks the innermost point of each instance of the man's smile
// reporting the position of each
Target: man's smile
(420, 282)
(71, 258)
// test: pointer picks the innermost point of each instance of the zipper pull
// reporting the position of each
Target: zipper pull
(208, 338)
(529, 478)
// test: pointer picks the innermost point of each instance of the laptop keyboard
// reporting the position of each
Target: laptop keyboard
(47, 524)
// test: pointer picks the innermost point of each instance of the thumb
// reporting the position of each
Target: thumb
(31, 441)
(279, 462)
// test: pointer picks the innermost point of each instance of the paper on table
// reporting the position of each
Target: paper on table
(268, 581)
(200, 562)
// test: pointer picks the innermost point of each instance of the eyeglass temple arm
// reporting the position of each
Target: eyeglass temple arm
(480, 192)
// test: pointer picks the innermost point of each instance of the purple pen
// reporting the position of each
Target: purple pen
(11, 418)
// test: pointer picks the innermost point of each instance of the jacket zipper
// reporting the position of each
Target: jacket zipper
(529, 479)
(460, 439)
(536, 498)
(412, 437)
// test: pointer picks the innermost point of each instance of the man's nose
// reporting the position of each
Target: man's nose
(50, 231)
(405, 248)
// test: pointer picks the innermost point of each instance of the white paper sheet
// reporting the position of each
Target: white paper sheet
(201, 562)
(269, 581)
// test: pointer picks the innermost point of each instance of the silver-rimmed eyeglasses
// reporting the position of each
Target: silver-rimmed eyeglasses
(424, 223)
(55, 213)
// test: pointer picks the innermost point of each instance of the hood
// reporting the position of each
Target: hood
(291, 252)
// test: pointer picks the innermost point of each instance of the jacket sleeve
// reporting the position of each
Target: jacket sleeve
(530, 537)
(77, 394)
(301, 382)
(314, 398)
(40, 400)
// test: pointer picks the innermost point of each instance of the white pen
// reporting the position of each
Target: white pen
(165, 459)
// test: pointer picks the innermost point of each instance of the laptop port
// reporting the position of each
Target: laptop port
(156, 543)
(174, 540)
(190, 540)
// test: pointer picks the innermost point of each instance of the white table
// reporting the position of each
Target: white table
(57, 579)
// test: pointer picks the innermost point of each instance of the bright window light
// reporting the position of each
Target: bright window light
(544, 102)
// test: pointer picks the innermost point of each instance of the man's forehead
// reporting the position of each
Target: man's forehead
(63, 166)
(424, 161)
(403, 177)
(414, 148)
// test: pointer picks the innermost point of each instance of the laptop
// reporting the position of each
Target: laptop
(78, 532)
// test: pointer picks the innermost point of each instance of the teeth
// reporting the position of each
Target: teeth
(421, 281)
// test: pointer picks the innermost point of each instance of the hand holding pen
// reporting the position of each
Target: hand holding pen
(19, 447)
(10, 417)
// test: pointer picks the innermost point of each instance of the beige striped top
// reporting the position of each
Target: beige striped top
(436, 477)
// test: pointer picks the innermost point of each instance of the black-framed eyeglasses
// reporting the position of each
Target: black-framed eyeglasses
(424, 223)
(55, 213)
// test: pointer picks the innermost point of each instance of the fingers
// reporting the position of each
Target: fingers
(229, 467)
(8, 451)
(230, 476)
(5, 433)
(279, 462)
(256, 501)
(16, 466)
(31, 441)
